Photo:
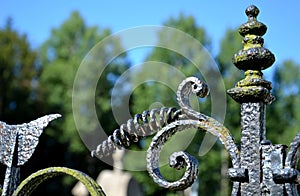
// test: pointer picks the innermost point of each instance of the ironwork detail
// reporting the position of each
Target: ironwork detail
(149, 122)
(258, 167)
(24, 136)
(34, 180)
(270, 170)
(141, 125)
(177, 120)
(189, 119)
(18, 143)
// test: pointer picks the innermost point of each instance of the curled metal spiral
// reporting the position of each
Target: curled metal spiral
(152, 121)
(193, 119)
(140, 126)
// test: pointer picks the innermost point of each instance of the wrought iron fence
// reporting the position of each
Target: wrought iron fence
(258, 166)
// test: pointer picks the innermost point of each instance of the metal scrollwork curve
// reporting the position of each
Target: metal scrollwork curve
(188, 119)
(291, 161)
(133, 130)
(28, 185)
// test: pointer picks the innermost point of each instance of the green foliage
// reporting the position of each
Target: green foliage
(285, 109)
(17, 76)
(60, 57)
(230, 44)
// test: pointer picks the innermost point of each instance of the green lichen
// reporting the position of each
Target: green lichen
(34, 180)
(252, 59)
(251, 94)
(251, 43)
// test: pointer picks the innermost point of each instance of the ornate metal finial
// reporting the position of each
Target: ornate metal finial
(252, 59)
(253, 93)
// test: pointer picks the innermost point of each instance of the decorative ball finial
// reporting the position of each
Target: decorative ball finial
(253, 56)
(252, 12)
(252, 59)
(252, 26)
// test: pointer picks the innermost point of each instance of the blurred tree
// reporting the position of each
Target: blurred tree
(60, 58)
(17, 76)
(230, 44)
(285, 109)
(171, 62)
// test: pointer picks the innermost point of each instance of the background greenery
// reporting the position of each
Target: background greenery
(38, 82)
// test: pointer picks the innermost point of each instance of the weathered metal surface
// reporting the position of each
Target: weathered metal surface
(34, 180)
(11, 180)
(258, 156)
(18, 143)
(177, 160)
(259, 167)
(253, 56)
(272, 159)
(169, 122)
(189, 119)
(141, 125)
(148, 122)
(23, 138)
(291, 163)
(252, 122)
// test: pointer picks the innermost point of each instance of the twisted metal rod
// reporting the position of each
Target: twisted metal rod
(140, 126)
(149, 122)
(193, 119)
(170, 121)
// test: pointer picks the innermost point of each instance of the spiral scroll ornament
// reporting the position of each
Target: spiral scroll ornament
(149, 122)
(169, 121)
(189, 119)
(140, 126)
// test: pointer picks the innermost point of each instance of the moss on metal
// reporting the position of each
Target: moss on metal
(252, 59)
(252, 26)
(34, 180)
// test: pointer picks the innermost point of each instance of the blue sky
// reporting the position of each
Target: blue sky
(37, 18)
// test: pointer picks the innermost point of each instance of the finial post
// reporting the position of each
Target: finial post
(253, 93)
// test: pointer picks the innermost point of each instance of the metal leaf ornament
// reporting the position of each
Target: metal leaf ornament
(17, 144)
(23, 138)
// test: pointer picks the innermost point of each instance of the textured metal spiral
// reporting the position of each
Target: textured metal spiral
(193, 119)
(154, 120)
(177, 160)
(140, 126)
(185, 89)
(170, 121)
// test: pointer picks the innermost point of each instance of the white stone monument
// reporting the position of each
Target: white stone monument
(114, 182)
